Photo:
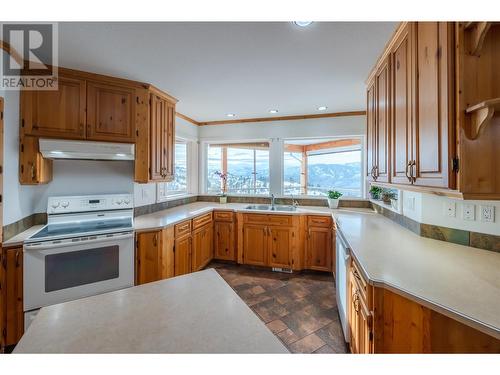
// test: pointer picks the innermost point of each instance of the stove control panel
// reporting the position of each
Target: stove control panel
(89, 203)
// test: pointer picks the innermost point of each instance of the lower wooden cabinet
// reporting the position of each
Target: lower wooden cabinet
(360, 317)
(202, 247)
(154, 256)
(12, 290)
(319, 249)
(255, 245)
(280, 244)
(224, 248)
(183, 248)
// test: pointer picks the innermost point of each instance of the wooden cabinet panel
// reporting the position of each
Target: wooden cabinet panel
(280, 244)
(154, 256)
(223, 216)
(202, 220)
(147, 257)
(202, 247)
(401, 100)
(255, 244)
(433, 45)
(110, 112)
(371, 129)
(162, 139)
(383, 121)
(224, 241)
(33, 168)
(58, 113)
(319, 221)
(3, 298)
(319, 249)
(360, 320)
(14, 295)
(182, 255)
(183, 228)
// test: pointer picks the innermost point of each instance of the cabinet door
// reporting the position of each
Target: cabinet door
(401, 99)
(280, 244)
(364, 328)
(182, 255)
(110, 113)
(383, 118)
(208, 244)
(56, 114)
(371, 132)
(353, 316)
(3, 296)
(224, 241)
(433, 99)
(319, 249)
(169, 130)
(255, 245)
(33, 168)
(197, 250)
(14, 295)
(162, 139)
(148, 257)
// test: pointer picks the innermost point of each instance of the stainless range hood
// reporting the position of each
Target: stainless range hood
(67, 149)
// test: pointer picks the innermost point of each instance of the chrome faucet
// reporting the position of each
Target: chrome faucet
(294, 202)
(272, 201)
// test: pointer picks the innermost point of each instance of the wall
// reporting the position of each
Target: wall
(276, 132)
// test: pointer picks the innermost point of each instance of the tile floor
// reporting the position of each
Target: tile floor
(300, 309)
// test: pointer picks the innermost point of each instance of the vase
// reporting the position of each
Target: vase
(223, 199)
(333, 203)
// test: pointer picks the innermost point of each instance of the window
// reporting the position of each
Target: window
(246, 166)
(312, 167)
(179, 184)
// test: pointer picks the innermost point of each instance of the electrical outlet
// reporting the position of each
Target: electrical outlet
(410, 203)
(450, 209)
(469, 212)
(488, 214)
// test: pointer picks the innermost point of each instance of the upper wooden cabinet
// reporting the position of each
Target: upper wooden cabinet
(58, 113)
(110, 112)
(94, 107)
(441, 93)
(155, 136)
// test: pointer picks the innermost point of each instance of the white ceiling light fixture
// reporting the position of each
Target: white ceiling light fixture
(230, 115)
(273, 111)
(322, 108)
(302, 23)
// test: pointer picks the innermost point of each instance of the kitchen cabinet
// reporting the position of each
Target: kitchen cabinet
(162, 138)
(14, 314)
(280, 246)
(56, 113)
(224, 235)
(110, 112)
(183, 250)
(319, 244)
(255, 244)
(401, 108)
(371, 132)
(154, 255)
(433, 121)
(202, 247)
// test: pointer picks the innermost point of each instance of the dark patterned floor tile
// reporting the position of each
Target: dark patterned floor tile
(307, 344)
(325, 349)
(287, 337)
(269, 310)
(332, 334)
(276, 326)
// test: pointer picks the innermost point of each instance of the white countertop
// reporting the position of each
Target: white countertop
(177, 214)
(459, 281)
(194, 313)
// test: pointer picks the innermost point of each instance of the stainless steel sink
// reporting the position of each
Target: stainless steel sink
(268, 207)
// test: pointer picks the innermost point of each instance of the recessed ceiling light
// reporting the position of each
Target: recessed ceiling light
(302, 23)
(273, 111)
(230, 115)
(322, 108)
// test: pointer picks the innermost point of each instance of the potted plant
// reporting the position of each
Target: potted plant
(375, 192)
(333, 198)
(388, 195)
(223, 183)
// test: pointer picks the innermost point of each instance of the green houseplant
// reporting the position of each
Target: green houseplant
(388, 196)
(333, 198)
(375, 192)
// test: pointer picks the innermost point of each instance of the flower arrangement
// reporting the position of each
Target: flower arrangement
(223, 180)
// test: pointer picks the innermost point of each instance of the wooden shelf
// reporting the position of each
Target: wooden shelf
(481, 115)
(477, 32)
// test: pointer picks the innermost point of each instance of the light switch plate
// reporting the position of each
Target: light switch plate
(488, 214)
(469, 212)
(450, 209)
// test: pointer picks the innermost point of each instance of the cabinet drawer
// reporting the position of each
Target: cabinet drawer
(280, 220)
(319, 221)
(183, 228)
(223, 216)
(255, 218)
(202, 220)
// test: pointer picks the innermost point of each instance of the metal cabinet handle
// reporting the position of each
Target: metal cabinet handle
(408, 176)
(17, 259)
(413, 176)
(155, 240)
(356, 301)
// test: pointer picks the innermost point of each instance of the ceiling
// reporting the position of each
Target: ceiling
(245, 68)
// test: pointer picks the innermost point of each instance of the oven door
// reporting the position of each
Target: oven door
(59, 271)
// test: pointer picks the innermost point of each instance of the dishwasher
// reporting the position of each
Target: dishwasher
(342, 265)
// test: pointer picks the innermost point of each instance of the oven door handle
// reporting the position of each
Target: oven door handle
(100, 239)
